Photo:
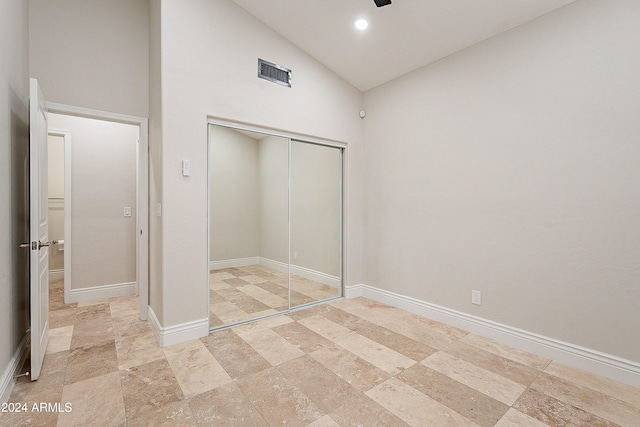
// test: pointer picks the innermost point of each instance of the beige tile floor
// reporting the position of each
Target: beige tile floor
(244, 293)
(345, 363)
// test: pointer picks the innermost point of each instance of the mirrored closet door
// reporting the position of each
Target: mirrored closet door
(275, 224)
(316, 222)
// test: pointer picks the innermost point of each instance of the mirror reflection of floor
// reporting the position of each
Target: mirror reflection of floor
(243, 293)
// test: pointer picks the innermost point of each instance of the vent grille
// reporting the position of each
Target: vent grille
(274, 73)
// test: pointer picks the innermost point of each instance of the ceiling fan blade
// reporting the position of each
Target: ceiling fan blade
(381, 3)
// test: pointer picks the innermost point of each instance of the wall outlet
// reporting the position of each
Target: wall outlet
(476, 297)
(295, 254)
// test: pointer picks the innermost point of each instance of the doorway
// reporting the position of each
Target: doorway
(105, 204)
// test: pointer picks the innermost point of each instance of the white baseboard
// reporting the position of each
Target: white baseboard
(316, 276)
(307, 273)
(6, 381)
(103, 291)
(180, 333)
(56, 274)
(280, 266)
(232, 263)
(606, 365)
(354, 291)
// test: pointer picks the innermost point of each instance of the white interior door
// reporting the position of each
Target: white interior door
(39, 229)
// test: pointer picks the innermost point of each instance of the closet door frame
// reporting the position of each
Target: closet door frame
(291, 137)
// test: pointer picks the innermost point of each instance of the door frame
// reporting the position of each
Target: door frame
(142, 184)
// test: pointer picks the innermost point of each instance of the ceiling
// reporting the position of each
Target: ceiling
(401, 37)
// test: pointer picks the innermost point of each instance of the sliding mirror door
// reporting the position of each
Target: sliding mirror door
(248, 225)
(316, 222)
(275, 224)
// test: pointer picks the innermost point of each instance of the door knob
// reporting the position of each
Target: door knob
(25, 245)
(41, 245)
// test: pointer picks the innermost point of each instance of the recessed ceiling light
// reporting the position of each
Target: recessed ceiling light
(361, 24)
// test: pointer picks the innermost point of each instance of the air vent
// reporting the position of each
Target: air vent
(274, 73)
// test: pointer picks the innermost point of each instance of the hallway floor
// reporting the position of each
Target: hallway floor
(346, 363)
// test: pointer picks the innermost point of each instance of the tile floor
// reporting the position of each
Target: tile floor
(244, 293)
(346, 363)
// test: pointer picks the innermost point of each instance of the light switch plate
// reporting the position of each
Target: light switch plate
(127, 211)
(476, 297)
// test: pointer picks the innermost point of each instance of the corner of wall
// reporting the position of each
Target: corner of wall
(176, 334)
(155, 161)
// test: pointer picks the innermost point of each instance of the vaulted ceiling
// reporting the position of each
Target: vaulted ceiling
(401, 37)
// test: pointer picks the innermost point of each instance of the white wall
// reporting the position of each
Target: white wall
(14, 149)
(92, 53)
(235, 205)
(209, 57)
(55, 170)
(103, 183)
(512, 168)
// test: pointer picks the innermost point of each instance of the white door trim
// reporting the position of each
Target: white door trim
(142, 231)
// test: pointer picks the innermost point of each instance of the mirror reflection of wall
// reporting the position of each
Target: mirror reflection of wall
(56, 205)
(254, 229)
(248, 182)
(316, 201)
